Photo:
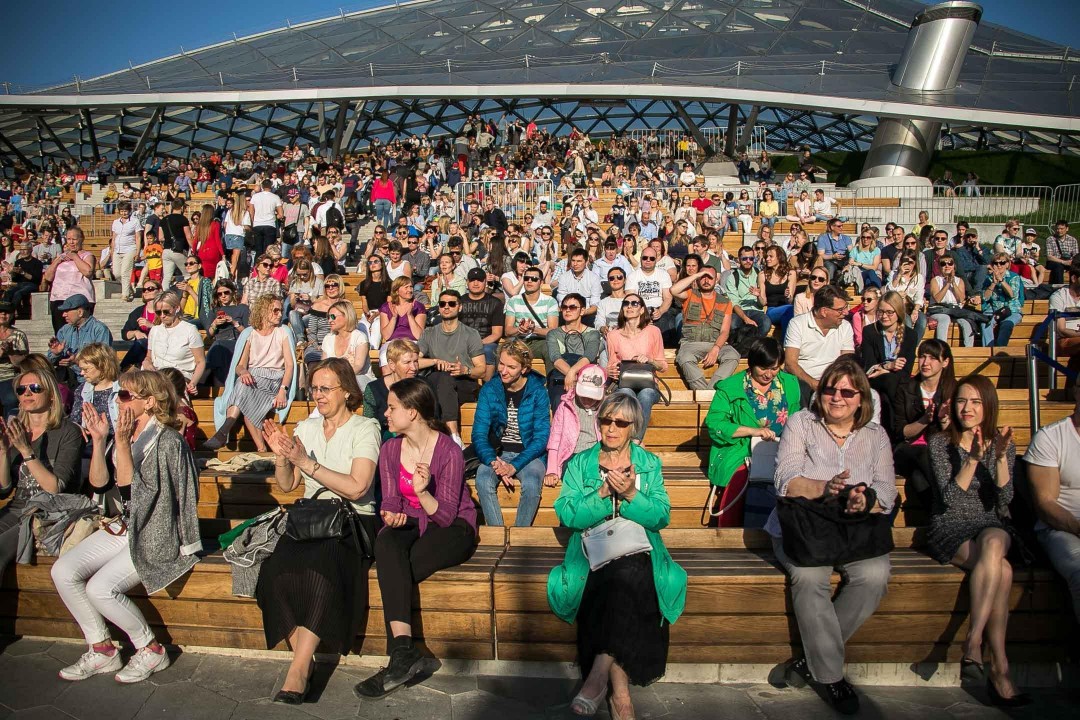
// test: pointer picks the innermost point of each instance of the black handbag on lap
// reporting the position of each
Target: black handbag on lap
(331, 519)
(818, 533)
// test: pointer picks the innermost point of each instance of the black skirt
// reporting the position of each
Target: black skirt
(319, 585)
(620, 616)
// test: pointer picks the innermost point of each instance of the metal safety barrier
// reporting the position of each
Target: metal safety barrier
(514, 197)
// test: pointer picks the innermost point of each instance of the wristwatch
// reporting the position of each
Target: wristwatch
(28, 459)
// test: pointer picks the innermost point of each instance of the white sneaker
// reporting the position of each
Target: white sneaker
(90, 664)
(142, 665)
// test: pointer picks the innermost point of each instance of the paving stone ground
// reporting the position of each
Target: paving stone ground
(214, 687)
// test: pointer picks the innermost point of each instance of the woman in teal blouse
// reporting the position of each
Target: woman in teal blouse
(623, 609)
(749, 404)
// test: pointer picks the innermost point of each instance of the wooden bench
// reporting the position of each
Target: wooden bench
(454, 611)
(738, 609)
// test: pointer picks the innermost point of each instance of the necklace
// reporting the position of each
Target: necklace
(837, 435)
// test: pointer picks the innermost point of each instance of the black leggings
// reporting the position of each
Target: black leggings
(404, 559)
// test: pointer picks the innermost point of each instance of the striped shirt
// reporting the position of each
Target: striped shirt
(808, 450)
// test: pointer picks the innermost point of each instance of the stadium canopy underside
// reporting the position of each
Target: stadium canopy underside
(812, 72)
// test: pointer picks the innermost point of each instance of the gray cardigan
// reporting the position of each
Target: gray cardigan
(163, 522)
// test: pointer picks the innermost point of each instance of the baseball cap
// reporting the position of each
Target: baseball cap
(293, 192)
(476, 274)
(74, 302)
(1030, 231)
(591, 381)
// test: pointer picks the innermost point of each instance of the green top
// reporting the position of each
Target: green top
(731, 409)
(580, 507)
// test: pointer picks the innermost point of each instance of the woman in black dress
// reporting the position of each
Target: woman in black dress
(888, 347)
(973, 466)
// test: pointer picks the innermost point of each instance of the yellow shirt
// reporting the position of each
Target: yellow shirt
(191, 305)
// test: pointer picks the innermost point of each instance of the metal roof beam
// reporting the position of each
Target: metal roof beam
(52, 136)
(691, 126)
(138, 154)
(88, 123)
(17, 152)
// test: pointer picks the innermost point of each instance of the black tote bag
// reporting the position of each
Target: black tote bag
(818, 533)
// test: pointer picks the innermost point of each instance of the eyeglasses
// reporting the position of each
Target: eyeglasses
(845, 393)
(746, 258)
(455, 252)
(448, 303)
(632, 303)
(617, 422)
(380, 232)
(31, 388)
(127, 396)
(322, 389)
(867, 237)
(191, 264)
(332, 285)
(887, 311)
(265, 264)
(571, 307)
(868, 298)
(759, 247)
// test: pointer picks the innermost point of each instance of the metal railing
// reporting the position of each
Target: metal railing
(759, 138)
(664, 145)
(514, 197)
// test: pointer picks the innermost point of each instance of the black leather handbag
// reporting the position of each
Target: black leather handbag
(330, 519)
(818, 533)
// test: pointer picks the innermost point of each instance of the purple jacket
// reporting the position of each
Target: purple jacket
(564, 433)
(447, 484)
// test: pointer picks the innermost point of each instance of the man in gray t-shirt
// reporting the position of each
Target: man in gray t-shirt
(453, 356)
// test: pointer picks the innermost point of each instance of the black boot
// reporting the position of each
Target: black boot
(405, 661)
(218, 440)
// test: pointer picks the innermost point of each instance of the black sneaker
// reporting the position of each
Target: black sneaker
(842, 697)
(797, 673)
(405, 662)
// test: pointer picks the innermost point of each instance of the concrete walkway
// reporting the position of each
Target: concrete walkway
(214, 687)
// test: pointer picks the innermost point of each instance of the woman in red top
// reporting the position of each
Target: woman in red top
(207, 242)
(384, 195)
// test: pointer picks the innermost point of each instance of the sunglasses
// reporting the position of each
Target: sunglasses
(448, 303)
(946, 263)
(333, 316)
(531, 278)
(31, 388)
(616, 277)
(127, 396)
(455, 252)
(746, 258)
(191, 264)
(223, 293)
(571, 307)
(632, 303)
(165, 312)
(332, 285)
(621, 424)
(999, 263)
(845, 393)
(818, 278)
(265, 264)
(648, 257)
(149, 289)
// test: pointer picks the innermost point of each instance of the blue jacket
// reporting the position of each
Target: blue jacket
(534, 422)
(75, 339)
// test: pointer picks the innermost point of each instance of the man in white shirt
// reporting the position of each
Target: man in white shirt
(611, 258)
(266, 209)
(817, 338)
(543, 217)
(825, 207)
(1053, 460)
(651, 283)
(579, 280)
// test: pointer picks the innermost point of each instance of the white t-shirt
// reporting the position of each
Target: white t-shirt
(266, 204)
(356, 337)
(125, 233)
(607, 312)
(232, 228)
(1058, 445)
(359, 437)
(649, 287)
(818, 351)
(1063, 300)
(171, 347)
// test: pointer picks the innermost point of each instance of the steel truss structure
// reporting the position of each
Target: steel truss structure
(812, 72)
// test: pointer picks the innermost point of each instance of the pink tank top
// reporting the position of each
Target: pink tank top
(405, 487)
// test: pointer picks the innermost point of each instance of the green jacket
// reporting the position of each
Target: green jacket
(729, 411)
(580, 507)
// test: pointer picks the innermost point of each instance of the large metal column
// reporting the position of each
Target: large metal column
(936, 46)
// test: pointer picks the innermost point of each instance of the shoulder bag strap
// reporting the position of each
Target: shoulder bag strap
(532, 311)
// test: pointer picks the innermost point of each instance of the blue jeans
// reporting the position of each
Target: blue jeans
(764, 322)
(997, 332)
(769, 222)
(647, 397)
(384, 212)
(781, 315)
(531, 480)
(1063, 549)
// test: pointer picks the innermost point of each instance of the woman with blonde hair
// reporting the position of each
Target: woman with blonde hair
(401, 316)
(40, 452)
(888, 348)
(173, 342)
(347, 341)
(262, 376)
(152, 543)
(237, 224)
(100, 369)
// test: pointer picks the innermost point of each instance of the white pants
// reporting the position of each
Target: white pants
(92, 579)
(123, 264)
(747, 225)
(171, 260)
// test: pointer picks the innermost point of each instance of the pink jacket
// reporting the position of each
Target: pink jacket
(564, 433)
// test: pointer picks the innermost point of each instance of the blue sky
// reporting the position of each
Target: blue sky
(58, 38)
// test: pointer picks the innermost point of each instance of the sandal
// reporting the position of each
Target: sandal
(972, 670)
(587, 706)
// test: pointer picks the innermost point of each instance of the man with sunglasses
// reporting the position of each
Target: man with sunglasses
(940, 250)
(453, 355)
(531, 314)
(81, 328)
(817, 338)
(483, 312)
(741, 288)
(463, 261)
(834, 246)
(653, 285)
(972, 259)
(705, 330)
(1002, 301)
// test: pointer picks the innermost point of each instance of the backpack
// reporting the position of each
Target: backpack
(334, 218)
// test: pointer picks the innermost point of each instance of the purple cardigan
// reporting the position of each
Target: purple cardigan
(447, 484)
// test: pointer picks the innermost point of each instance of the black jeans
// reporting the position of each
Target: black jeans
(265, 236)
(451, 392)
(404, 558)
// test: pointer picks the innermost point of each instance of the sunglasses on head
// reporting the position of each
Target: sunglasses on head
(448, 303)
(127, 396)
(845, 393)
(617, 422)
(34, 388)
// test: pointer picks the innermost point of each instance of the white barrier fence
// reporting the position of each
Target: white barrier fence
(758, 141)
(514, 197)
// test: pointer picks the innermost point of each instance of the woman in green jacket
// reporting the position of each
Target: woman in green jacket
(624, 609)
(749, 404)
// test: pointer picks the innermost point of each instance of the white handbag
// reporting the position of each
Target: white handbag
(613, 539)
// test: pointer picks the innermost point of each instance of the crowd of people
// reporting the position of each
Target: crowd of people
(248, 297)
